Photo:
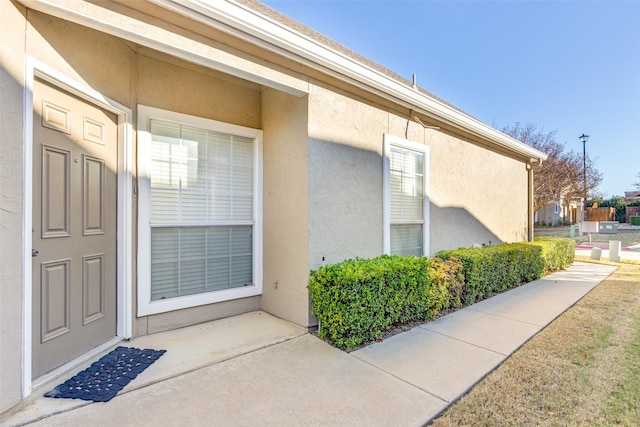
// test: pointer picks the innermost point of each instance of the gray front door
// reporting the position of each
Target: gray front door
(74, 226)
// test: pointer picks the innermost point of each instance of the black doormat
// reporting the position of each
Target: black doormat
(102, 380)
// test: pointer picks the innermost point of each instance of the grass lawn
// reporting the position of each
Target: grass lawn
(582, 369)
(627, 237)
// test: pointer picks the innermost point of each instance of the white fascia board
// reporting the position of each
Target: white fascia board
(93, 16)
(247, 24)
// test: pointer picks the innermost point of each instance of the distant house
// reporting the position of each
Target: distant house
(632, 196)
(164, 163)
(559, 211)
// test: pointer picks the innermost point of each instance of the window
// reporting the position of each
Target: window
(406, 200)
(200, 236)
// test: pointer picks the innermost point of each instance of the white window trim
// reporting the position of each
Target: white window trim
(145, 305)
(388, 141)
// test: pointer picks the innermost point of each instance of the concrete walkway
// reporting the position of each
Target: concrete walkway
(259, 370)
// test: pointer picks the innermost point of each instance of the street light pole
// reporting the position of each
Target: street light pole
(584, 138)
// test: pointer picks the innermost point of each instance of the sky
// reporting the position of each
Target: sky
(567, 66)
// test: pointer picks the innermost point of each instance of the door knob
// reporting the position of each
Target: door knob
(34, 253)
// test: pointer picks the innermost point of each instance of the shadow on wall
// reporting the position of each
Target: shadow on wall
(453, 228)
(346, 209)
(345, 202)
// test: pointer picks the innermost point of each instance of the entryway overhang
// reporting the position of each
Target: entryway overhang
(149, 33)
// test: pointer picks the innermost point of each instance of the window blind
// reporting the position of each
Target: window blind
(201, 210)
(406, 239)
(406, 201)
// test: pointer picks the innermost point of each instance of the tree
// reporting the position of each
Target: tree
(637, 183)
(561, 175)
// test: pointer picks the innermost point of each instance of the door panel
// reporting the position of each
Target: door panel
(93, 288)
(56, 166)
(55, 293)
(93, 208)
(74, 227)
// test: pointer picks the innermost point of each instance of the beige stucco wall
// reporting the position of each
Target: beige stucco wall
(102, 62)
(171, 84)
(476, 195)
(11, 202)
(129, 75)
(285, 206)
(322, 172)
(345, 176)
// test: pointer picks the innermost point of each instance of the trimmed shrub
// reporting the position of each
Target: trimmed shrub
(496, 268)
(357, 300)
(635, 220)
(448, 277)
(557, 253)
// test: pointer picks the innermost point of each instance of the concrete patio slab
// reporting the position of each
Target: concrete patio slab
(440, 365)
(303, 381)
(208, 343)
(188, 349)
(483, 330)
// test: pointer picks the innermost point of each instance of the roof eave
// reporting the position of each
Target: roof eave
(248, 24)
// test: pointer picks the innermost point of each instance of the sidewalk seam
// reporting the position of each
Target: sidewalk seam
(399, 379)
(470, 343)
(505, 317)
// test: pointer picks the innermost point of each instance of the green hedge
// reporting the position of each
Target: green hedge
(496, 268)
(557, 253)
(448, 276)
(635, 220)
(357, 300)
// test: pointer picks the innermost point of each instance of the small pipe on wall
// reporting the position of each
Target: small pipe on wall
(531, 167)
